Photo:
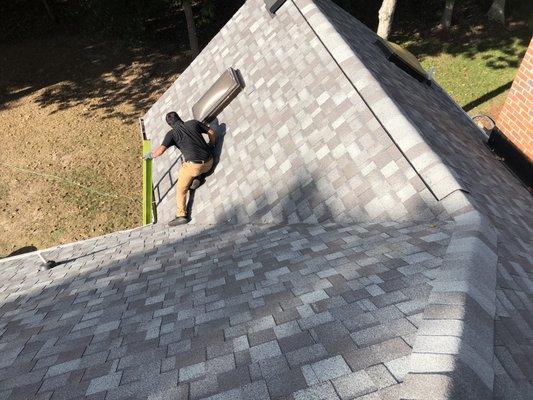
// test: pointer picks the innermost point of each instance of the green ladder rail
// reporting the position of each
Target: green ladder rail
(147, 184)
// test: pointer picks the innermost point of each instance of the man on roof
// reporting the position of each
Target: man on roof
(197, 158)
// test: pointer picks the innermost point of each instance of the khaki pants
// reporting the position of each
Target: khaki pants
(186, 174)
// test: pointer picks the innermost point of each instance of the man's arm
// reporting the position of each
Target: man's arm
(211, 133)
(155, 153)
(167, 142)
(160, 150)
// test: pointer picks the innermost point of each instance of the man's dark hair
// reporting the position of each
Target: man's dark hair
(172, 118)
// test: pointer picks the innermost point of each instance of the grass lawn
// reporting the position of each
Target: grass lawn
(73, 116)
(476, 65)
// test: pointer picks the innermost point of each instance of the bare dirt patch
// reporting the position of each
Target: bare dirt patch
(69, 108)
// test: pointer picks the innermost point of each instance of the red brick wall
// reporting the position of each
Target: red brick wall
(516, 117)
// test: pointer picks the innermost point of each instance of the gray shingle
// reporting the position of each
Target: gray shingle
(325, 391)
(192, 371)
(306, 355)
(398, 367)
(380, 376)
(313, 297)
(265, 350)
(255, 390)
(63, 367)
(354, 385)
(330, 368)
(105, 382)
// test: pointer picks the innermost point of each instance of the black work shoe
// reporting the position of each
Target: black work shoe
(178, 221)
(196, 182)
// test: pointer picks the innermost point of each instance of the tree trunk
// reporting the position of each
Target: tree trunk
(446, 20)
(386, 13)
(497, 11)
(48, 10)
(191, 27)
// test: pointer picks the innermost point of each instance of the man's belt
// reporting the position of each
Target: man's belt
(198, 161)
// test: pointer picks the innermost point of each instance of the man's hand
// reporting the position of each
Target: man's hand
(148, 156)
(212, 138)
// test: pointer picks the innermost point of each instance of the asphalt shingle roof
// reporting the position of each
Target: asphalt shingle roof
(271, 309)
(357, 239)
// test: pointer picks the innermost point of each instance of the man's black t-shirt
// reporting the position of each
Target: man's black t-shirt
(191, 142)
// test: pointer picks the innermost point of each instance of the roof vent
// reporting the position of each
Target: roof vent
(218, 96)
(273, 5)
(404, 59)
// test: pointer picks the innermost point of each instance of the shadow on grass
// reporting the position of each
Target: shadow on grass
(103, 74)
(471, 33)
(20, 251)
(100, 75)
(487, 96)
(504, 47)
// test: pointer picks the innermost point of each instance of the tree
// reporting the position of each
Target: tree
(191, 27)
(497, 11)
(386, 14)
(446, 20)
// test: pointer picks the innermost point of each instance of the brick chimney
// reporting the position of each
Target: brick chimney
(516, 117)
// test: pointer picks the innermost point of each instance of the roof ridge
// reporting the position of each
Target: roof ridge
(432, 170)
(455, 340)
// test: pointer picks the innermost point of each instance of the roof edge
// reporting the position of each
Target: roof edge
(454, 344)
(63, 246)
(435, 174)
